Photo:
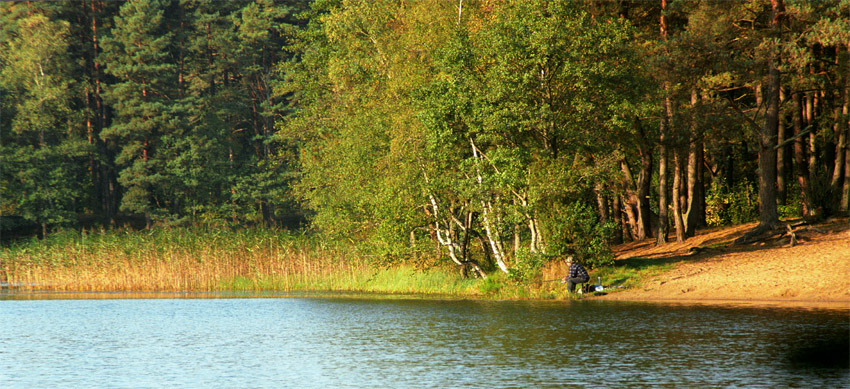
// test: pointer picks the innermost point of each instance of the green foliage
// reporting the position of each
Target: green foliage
(789, 210)
(407, 128)
(41, 155)
(359, 142)
(735, 205)
(793, 207)
(491, 285)
(574, 229)
(137, 54)
(527, 265)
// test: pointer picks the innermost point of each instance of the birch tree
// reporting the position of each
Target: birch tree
(42, 151)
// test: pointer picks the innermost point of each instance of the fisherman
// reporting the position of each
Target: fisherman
(577, 275)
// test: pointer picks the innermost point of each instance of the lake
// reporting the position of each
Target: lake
(275, 341)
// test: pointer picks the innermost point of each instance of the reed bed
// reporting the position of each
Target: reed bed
(177, 259)
(199, 259)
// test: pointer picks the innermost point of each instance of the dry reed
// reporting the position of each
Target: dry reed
(199, 260)
(171, 260)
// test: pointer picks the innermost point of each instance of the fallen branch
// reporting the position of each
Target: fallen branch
(792, 234)
(815, 229)
(791, 139)
(791, 231)
(800, 223)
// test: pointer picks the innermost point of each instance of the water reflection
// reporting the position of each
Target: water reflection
(403, 342)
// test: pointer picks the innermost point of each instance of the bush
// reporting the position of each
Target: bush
(574, 229)
(735, 205)
(528, 265)
(789, 210)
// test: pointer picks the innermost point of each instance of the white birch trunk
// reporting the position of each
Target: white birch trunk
(445, 238)
(487, 215)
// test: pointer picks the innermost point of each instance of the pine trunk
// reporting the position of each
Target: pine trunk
(661, 237)
(845, 191)
(630, 207)
(695, 209)
(837, 169)
(801, 160)
(781, 196)
(666, 120)
(812, 139)
(768, 217)
(677, 197)
(644, 186)
(601, 202)
(842, 150)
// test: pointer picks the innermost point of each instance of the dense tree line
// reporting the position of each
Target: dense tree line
(496, 134)
(162, 110)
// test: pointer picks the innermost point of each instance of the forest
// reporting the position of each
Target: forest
(498, 135)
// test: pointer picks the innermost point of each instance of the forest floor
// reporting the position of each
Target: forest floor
(710, 268)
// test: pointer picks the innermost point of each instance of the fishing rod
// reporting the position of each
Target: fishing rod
(539, 282)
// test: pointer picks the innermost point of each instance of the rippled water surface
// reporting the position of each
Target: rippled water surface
(411, 342)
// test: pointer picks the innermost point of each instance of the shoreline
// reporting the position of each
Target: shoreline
(706, 269)
(14, 294)
(842, 305)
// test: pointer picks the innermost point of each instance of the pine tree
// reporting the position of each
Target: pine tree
(262, 28)
(137, 54)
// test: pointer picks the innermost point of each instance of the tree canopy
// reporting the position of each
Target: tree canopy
(494, 135)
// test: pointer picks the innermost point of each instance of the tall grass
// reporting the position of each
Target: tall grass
(205, 259)
(181, 259)
(178, 259)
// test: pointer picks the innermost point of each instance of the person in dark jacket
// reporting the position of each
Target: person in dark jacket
(578, 275)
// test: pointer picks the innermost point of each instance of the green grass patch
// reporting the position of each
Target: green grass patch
(398, 279)
(631, 273)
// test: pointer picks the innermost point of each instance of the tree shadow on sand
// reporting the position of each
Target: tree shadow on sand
(703, 249)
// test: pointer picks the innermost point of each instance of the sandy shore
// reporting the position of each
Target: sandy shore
(814, 273)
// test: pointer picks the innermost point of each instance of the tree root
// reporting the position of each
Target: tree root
(762, 233)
